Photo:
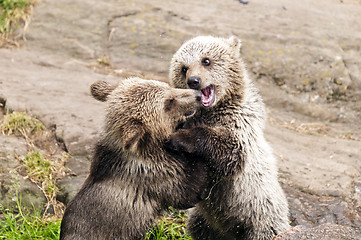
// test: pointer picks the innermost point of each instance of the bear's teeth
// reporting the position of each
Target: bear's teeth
(208, 96)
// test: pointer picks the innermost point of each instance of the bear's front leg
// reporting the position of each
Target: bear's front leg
(187, 141)
(219, 147)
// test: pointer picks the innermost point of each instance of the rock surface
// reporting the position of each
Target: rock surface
(12, 184)
(322, 232)
(305, 56)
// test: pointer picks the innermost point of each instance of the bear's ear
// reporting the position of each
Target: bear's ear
(101, 89)
(134, 136)
(235, 42)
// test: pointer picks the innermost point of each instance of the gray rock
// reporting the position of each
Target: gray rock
(13, 185)
(322, 232)
(71, 184)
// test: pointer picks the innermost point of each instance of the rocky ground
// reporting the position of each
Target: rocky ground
(305, 56)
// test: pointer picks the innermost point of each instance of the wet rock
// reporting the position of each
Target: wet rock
(311, 209)
(322, 232)
(306, 159)
(153, 33)
(71, 184)
(45, 93)
(13, 185)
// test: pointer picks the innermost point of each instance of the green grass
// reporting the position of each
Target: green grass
(170, 226)
(13, 13)
(20, 123)
(41, 171)
(25, 226)
(16, 224)
(44, 172)
(21, 223)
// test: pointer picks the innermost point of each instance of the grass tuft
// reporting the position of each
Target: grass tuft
(170, 226)
(13, 14)
(44, 173)
(41, 171)
(19, 123)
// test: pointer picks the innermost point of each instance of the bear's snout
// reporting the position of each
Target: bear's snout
(194, 82)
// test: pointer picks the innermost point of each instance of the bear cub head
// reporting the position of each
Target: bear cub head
(212, 65)
(142, 114)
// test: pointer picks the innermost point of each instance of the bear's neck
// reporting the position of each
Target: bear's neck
(108, 161)
(152, 152)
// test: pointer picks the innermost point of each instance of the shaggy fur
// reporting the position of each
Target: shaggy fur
(132, 178)
(245, 200)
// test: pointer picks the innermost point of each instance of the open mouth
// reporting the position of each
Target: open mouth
(208, 96)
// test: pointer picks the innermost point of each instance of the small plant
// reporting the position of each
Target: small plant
(170, 226)
(17, 225)
(12, 13)
(19, 123)
(41, 171)
(44, 173)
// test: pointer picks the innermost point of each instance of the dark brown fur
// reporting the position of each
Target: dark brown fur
(132, 178)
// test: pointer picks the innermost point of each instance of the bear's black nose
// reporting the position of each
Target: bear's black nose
(194, 82)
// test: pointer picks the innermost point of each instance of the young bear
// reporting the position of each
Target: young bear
(245, 199)
(132, 178)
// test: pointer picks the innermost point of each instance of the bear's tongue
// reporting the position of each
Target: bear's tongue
(207, 96)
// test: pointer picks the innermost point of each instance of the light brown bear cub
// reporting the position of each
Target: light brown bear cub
(132, 178)
(245, 199)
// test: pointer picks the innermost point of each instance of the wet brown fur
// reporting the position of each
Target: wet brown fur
(132, 178)
(245, 200)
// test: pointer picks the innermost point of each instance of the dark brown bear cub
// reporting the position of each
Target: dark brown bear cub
(132, 178)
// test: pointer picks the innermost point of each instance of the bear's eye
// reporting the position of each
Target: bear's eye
(184, 70)
(206, 62)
